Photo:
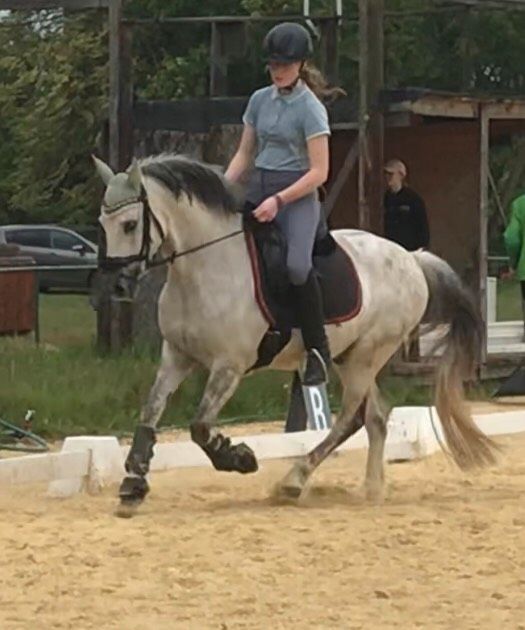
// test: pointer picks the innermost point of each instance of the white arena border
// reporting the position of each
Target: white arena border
(92, 463)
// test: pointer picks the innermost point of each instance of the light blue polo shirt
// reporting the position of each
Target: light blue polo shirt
(283, 124)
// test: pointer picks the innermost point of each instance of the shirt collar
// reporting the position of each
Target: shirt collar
(299, 88)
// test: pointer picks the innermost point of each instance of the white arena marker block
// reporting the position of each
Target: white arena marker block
(410, 434)
(106, 465)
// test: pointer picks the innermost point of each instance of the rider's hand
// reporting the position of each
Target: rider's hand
(508, 274)
(267, 210)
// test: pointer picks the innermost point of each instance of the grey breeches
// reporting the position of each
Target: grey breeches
(298, 221)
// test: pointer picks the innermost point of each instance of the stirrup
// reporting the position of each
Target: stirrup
(315, 371)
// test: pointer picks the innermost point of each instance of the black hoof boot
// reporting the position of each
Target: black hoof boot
(227, 457)
(244, 459)
(132, 492)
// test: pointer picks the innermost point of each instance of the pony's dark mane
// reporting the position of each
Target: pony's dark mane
(183, 175)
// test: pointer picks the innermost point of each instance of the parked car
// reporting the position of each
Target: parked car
(51, 245)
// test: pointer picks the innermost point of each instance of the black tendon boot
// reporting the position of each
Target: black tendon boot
(309, 308)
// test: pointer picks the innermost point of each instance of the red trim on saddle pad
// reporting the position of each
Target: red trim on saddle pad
(259, 293)
(257, 281)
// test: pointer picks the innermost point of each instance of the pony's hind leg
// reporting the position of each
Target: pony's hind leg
(376, 417)
(221, 385)
(356, 373)
(357, 370)
(173, 369)
(293, 484)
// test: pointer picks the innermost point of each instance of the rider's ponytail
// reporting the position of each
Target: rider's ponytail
(316, 81)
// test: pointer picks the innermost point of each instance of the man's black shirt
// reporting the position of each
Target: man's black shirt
(406, 219)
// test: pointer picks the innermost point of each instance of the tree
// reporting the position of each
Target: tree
(53, 95)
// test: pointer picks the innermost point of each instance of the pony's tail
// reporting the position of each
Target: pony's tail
(450, 303)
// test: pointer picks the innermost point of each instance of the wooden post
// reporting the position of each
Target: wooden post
(466, 49)
(218, 67)
(120, 89)
(121, 323)
(371, 119)
(375, 83)
(484, 118)
(364, 219)
(330, 49)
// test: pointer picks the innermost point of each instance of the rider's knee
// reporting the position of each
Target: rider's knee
(298, 271)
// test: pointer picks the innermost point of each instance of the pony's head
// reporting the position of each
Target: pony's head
(188, 199)
(132, 232)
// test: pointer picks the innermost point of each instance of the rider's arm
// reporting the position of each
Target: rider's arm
(318, 154)
(243, 158)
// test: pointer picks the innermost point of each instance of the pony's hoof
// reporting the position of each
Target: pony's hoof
(292, 486)
(132, 492)
(374, 493)
(245, 460)
(127, 509)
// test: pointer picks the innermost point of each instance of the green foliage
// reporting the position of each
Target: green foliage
(53, 95)
(54, 82)
(175, 77)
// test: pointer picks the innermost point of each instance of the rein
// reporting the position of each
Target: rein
(175, 255)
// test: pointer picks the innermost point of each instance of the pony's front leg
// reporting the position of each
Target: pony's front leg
(221, 385)
(173, 369)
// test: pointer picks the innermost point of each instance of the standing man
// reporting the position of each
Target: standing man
(406, 220)
(513, 237)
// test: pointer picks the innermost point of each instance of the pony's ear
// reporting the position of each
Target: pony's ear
(103, 170)
(134, 175)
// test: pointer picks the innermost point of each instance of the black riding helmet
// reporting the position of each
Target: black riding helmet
(287, 42)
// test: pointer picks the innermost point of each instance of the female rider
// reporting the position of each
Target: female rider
(286, 126)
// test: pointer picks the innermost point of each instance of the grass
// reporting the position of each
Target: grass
(509, 301)
(74, 391)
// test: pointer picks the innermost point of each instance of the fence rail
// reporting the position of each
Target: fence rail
(48, 268)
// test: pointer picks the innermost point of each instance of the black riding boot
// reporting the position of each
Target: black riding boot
(309, 308)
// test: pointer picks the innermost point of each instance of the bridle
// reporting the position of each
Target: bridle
(109, 263)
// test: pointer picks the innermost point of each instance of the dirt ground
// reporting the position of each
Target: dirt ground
(212, 550)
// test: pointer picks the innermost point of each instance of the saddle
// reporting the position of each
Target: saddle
(338, 279)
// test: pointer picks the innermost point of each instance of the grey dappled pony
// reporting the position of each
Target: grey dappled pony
(170, 206)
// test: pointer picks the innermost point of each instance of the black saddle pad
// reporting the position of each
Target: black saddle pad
(340, 285)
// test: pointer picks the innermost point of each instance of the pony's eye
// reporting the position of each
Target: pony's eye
(129, 226)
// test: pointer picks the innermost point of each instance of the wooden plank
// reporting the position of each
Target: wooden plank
(44, 468)
(37, 5)
(507, 110)
(342, 176)
(198, 115)
(254, 18)
(446, 107)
